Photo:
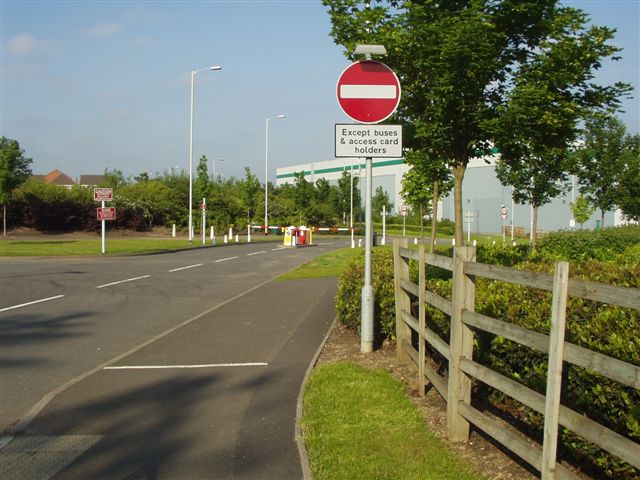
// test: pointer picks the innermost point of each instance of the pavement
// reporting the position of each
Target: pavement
(214, 399)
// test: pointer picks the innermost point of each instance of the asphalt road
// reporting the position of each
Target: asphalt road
(214, 308)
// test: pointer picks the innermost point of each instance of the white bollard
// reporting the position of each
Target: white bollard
(359, 242)
(514, 243)
(173, 231)
(226, 239)
(249, 233)
(230, 233)
(453, 242)
(475, 243)
(415, 240)
(237, 238)
(211, 233)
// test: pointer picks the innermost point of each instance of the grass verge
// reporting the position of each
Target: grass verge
(329, 264)
(17, 248)
(359, 424)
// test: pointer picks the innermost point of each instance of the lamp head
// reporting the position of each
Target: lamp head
(215, 67)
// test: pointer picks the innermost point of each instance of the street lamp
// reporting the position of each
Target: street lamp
(266, 172)
(193, 74)
(214, 167)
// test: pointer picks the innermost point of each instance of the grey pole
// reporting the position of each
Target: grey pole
(366, 320)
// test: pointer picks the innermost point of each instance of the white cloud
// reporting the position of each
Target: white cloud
(24, 44)
(103, 29)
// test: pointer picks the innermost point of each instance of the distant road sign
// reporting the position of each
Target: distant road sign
(404, 210)
(102, 194)
(368, 91)
(106, 213)
(504, 212)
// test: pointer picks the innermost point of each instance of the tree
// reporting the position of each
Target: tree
(457, 61)
(581, 210)
(143, 177)
(14, 170)
(629, 179)
(423, 185)
(250, 188)
(599, 161)
(343, 200)
(380, 199)
(537, 126)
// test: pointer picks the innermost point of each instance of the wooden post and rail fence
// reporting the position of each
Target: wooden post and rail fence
(455, 387)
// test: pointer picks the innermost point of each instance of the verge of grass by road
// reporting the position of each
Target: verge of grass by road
(49, 247)
(329, 264)
(359, 424)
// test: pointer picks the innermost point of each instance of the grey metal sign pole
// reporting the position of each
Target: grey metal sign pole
(366, 312)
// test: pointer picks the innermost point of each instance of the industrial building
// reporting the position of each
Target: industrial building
(483, 195)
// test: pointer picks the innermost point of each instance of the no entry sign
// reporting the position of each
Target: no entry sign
(368, 91)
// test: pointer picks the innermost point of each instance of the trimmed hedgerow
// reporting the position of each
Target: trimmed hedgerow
(600, 327)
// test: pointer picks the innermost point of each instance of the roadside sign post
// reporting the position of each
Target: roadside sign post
(103, 195)
(204, 219)
(403, 211)
(368, 92)
(504, 213)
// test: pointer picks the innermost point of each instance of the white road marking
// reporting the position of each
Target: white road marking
(184, 268)
(276, 249)
(256, 253)
(123, 281)
(30, 303)
(368, 91)
(225, 259)
(207, 365)
(330, 243)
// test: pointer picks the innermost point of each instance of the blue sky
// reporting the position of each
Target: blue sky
(89, 85)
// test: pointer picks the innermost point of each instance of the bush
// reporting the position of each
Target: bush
(603, 245)
(350, 285)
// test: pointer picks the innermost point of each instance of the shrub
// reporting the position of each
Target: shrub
(350, 285)
(583, 245)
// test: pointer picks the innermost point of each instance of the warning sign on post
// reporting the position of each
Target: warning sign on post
(376, 141)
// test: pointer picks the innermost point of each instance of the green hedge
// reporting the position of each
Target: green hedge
(597, 326)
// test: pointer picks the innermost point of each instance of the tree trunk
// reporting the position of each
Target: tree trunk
(602, 218)
(434, 214)
(534, 227)
(458, 177)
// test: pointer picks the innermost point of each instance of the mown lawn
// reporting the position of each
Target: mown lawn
(359, 424)
(329, 264)
(51, 247)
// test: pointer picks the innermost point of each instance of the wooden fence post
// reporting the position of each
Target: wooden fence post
(421, 319)
(403, 303)
(554, 372)
(460, 344)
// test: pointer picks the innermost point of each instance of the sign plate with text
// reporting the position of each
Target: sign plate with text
(106, 213)
(102, 194)
(375, 141)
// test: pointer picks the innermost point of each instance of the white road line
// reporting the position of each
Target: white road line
(225, 259)
(184, 268)
(123, 281)
(207, 365)
(276, 249)
(30, 303)
(330, 243)
(256, 253)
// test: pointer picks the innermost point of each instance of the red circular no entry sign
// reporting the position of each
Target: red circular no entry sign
(368, 91)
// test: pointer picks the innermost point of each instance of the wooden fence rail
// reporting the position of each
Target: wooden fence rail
(455, 387)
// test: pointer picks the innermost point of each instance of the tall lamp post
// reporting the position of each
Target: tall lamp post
(193, 75)
(266, 171)
(214, 167)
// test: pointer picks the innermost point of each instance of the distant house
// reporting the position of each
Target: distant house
(90, 180)
(56, 177)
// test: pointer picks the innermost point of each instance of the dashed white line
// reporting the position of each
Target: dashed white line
(185, 268)
(30, 303)
(276, 249)
(225, 259)
(256, 253)
(123, 281)
(207, 365)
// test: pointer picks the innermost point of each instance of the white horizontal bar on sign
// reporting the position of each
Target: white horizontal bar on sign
(368, 91)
